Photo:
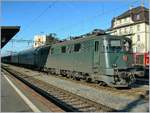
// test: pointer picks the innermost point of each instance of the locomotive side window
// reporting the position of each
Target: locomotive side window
(96, 45)
(77, 47)
(63, 49)
(52, 51)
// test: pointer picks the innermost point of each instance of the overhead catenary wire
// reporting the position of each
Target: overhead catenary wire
(104, 12)
(74, 25)
(27, 27)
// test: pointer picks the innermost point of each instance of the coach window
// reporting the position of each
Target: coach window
(77, 47)
(42, 52)
(96, 45)
(63, 49)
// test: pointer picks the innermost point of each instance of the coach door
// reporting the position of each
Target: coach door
(96, 57)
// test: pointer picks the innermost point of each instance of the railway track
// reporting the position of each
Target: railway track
(128, 92)
(41, 103)
(64, 99)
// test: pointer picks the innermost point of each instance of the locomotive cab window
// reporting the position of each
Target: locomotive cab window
(77, 47)
(115, 45)
(63, 49)
(96, 45)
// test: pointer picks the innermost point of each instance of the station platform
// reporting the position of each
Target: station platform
(10, 100)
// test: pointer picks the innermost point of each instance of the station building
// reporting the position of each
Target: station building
(40, 40)
(134, 23)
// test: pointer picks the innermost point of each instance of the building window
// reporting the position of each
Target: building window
(120, 31)
(120, 21)
(131, 29)
(63, 49)
(77, 47)
(137, 17)
(138, 27)
(138, 37)
(125, 30)
(125, 20)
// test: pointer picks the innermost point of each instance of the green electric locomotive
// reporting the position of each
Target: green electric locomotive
(104, 59)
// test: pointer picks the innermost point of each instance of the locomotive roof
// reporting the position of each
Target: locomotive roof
(33, 49)
(92, 37)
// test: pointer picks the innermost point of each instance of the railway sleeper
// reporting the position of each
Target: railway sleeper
(81, 106)
(77, 103)
(89, 109)
(63, 97)
(71, 100)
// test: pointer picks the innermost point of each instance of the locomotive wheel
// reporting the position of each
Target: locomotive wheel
(101, 83)
(73, 78)
(83, 79)
(88, 79)
(77, 78)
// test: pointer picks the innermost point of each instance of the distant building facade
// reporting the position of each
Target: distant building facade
(40, 40)
(134, 24)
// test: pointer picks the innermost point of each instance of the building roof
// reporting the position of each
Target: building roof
(7, 32)
(144, 16)
(135, 10)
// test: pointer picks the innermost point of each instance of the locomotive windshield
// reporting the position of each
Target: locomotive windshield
(117, 45)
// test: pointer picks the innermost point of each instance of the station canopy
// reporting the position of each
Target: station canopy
(7, 33)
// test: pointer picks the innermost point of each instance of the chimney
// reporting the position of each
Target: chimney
(142, 3)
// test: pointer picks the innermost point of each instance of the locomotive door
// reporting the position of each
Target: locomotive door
(96, 59)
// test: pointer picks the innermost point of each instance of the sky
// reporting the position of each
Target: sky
(65, 18)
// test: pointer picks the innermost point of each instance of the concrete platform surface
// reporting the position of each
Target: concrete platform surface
(10, 100)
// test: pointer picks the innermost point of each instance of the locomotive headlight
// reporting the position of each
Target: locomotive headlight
(114, 65)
